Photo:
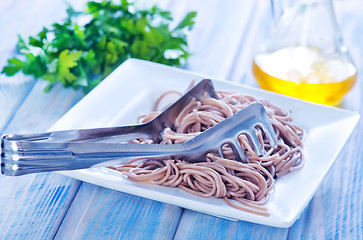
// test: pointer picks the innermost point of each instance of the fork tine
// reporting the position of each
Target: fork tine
(270, 134)
(238, 151)
(220, 151)
(254, 141)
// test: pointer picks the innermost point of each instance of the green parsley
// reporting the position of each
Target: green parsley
(80, 55)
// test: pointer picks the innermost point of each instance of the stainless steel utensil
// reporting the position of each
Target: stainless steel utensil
(77, 149)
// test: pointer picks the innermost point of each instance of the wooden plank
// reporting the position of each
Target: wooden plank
(12, 93)
(255, 35)
(41, 110)
(32, 206)
(336, 209)
(201, 226)
(38, 201)
(100, 213)
(218, 32)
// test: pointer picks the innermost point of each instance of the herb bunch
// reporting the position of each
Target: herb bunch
(81, 55)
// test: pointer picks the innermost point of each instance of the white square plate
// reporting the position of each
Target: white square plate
(133, 88)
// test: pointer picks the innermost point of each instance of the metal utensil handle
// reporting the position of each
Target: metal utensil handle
(69, 156)
(124, 133)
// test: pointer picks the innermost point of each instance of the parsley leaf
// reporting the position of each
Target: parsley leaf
(14, 65)
(66, 61)
(87, 46)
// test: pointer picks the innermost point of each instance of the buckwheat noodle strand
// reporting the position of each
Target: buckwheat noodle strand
(244, 186)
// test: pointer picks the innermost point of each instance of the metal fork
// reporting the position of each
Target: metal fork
(68, 150)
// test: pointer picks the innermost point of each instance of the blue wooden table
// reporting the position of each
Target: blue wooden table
(224, 41)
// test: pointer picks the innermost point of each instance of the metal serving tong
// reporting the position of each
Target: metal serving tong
(83, 148)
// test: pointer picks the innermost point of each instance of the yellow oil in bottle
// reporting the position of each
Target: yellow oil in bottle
(304, 73)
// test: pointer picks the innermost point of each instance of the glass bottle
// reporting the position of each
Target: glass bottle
(304, 56)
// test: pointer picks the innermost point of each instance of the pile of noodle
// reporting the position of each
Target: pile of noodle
(246, 183)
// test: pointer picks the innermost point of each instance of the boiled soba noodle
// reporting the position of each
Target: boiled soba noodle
(244, 186)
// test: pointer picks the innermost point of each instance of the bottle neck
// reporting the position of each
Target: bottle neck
(305, 23)
(278, 7)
